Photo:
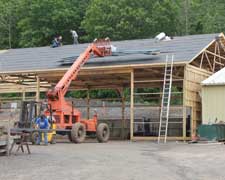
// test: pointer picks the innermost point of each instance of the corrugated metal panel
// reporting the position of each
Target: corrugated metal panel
(216, 79)
(213, 104)
(184, 48)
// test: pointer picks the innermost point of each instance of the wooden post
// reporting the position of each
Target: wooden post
(131, 105)
(123, 114)
(202, 60)
(38, 89)
(184, 103)
(88, 104)
(214, 58)
(38, 93)
(24, 94)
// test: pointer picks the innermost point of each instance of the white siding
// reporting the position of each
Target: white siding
(213, 104)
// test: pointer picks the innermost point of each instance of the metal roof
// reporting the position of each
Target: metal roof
(216, 79)
(184, 48)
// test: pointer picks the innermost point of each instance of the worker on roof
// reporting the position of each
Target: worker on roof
(59, 39)
(75, 36)
(55, 43)
(42, 124)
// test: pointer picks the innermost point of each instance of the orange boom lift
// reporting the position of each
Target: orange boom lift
(66, 116)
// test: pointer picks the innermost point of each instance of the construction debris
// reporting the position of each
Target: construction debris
(162, 37)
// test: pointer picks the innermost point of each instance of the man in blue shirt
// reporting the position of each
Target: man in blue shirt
(42, 124)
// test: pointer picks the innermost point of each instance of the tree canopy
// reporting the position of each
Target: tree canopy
(25, 23)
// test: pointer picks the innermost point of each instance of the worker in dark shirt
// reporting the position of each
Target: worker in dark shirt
(55, 43)
(42, 124)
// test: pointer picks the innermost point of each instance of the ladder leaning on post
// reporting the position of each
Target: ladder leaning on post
(165, 104)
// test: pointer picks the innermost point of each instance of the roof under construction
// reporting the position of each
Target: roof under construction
(196, 57)
(184, 48)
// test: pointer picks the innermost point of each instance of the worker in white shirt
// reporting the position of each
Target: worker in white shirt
(75, 37)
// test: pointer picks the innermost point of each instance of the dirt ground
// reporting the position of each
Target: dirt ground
(117, 160)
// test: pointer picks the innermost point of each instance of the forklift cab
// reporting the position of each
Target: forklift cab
(30, 111)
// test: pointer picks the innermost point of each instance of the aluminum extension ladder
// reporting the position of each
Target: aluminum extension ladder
(165, 104)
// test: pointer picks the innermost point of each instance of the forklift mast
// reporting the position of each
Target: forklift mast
(30, 110)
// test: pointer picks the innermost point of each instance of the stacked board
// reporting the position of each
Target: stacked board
(3, 141)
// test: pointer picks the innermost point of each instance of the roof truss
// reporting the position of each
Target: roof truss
(212, 57)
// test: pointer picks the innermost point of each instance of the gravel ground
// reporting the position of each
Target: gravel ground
(117, 160)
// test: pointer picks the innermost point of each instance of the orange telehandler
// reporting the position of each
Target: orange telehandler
(66, 116)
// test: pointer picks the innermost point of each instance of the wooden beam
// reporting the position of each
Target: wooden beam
(131, 105)
(114, 67)
(123, 106)
(16, 90)
(219, 54)
(157, 72)
(214, 59)
(215, 54)
(88, 103)
(152, 138)
(198, 70)
(38, 89)
(24, 94)
(210, 65)
(184, 102)
(154, 80)
(202, 60)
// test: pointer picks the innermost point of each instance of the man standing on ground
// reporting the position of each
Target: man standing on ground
(42, 124)
(75, 37)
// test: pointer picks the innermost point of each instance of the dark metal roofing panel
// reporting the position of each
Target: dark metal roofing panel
(184, 48)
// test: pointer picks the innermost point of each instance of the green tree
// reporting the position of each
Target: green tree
(118, 20)
(44, 19)
(213, 17)
(26, 23)
(8, 20)
(165, 14)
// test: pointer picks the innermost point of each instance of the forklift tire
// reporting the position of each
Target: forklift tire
(78, 133)
(34, 137)
(103, 133)
(53, 140)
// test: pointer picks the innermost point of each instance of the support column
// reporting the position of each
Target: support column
(38, 93)
(184, 103)
(123, 100)
(38, 89)
(88, 104)
(131, 105)
(24, 94)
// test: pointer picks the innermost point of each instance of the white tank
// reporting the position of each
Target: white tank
(160, 36)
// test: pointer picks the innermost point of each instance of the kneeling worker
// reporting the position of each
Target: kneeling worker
(42, 124)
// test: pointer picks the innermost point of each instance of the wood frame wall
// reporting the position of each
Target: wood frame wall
(147, 81)
(190, 80)
(193, 77)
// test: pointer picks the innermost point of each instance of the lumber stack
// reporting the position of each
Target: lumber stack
(3, 141)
